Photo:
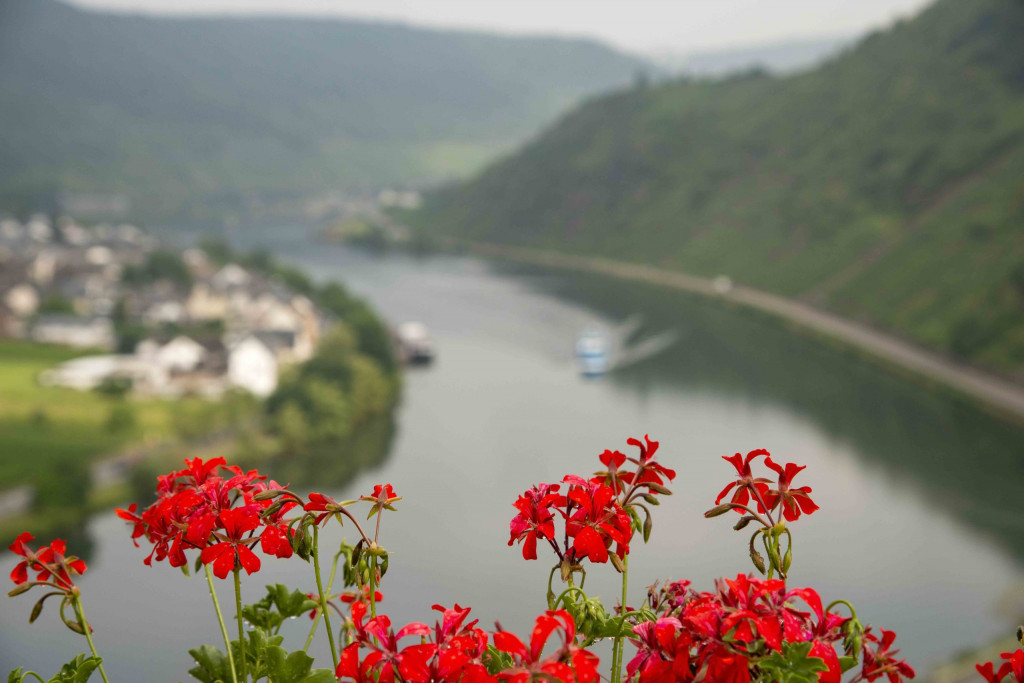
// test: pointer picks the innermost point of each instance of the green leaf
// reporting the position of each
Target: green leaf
(212, 665)
(495, 660)
(320, 676)
(793, 665)
(78, 670)
(282, 667)
(277, 605)
(15, 676)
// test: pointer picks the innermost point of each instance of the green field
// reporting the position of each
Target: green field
(44, 429)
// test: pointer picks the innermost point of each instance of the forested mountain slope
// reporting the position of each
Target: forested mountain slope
(887, 185)
(174, 112)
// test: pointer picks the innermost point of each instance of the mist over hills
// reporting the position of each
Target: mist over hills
(176, 113)
(777, 57)
(887, 185)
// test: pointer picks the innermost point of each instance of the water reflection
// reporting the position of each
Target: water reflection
(966, 462)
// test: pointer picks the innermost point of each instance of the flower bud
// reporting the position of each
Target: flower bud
(658, 488)
(617, 562)
(718, 510)
(744, 521)
(1020, 635)
(758, 561)
(18, 590)
(268, 494)
(37, 609)
(787, 560)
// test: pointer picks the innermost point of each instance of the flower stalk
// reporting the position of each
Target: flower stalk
(220, 620)
(241, 628)
(323, 596)
(80, 614)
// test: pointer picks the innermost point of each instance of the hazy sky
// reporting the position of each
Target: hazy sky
(639, 25)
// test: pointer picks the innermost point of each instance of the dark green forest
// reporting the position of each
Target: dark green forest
(886, 185)
(190, 117)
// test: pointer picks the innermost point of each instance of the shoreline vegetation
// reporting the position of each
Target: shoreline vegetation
(334, 410)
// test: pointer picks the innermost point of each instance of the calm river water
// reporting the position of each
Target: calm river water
(920, 523)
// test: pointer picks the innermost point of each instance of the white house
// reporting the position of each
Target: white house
(76, 331)
(252, 366)
(230, 276)
(22, 299)
(164, 312)
(181, 354)
(90, 372)
(39, 228)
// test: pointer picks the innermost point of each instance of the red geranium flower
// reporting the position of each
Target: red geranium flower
(794, 500)
(276, 540)
(528, 664)
(650, 472)
(535, 519)
(597, 521)
(882, 659)
(612, 476)
(382, 498)
(234, 548)
(48, 561)
(1014, 664)
(747, 483)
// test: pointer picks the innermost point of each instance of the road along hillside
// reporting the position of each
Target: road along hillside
(996, 393)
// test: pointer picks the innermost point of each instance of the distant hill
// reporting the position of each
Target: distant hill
(777, 57)
(887, 185)
(175, 113)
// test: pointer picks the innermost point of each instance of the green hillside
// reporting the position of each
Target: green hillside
(175, 113)
(887, 185)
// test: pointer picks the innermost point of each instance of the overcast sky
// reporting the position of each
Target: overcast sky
(638, 25)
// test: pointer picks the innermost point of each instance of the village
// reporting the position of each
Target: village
(162, 323)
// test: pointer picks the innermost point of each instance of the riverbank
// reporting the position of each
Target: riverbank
(995, 393)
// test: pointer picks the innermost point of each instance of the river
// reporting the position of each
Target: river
(919, 525)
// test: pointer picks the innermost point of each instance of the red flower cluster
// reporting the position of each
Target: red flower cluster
(567, 664)
(455, 651)
(729, 632)
(213, 507)
(49, 563)
(794, 500)
(1014, 664)
(595, 511)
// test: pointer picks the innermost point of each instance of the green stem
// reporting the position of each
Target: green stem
(33, 673)
(771, 558)
(80, 613)
(832, 604)
(241, 628)
(323, 596)
(220, 620)
(316, 619)
(373, 586)
(618, 647)
(567, 592)
(551, 592)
